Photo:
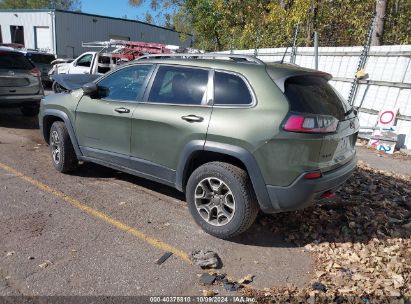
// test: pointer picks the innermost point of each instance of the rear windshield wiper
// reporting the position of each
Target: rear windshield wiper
(352, 109)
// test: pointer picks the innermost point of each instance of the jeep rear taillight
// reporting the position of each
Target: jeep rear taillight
(310, 123)
(35, 72)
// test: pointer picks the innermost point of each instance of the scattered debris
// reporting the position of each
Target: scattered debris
(164, 257)
(205, 259)
(10, 253)
(232, 286)
(319, 286)
(122, 203)
(405, 152)
(207, 279)
(45, 264)
(361, 242)
(209, 293)
(221, 278)
(247, 279)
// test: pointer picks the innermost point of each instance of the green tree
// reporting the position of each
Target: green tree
(397, 28)
(148, 18)
(33, 4)
(225, 24)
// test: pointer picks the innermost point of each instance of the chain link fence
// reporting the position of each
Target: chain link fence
(388, 85)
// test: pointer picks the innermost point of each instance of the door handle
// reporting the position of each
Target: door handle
(192, 118)
(122, 110)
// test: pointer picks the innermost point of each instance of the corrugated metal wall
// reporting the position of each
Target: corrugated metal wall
(388, 85)
(28, 20)
(72, 29)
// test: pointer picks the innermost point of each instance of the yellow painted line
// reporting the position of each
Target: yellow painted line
(101, 215)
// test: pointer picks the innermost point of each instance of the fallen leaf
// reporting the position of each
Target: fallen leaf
(209, 293)
(398, 280)
(246, 280)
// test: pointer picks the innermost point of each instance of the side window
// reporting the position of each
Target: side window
(179, 85)
(125, 84)
(85, 61)
(230, 89)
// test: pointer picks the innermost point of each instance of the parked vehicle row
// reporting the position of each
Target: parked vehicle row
(111, 54)
(236, 135)
(20, 82)
(42, 60)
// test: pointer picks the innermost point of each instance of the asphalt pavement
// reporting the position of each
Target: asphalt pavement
(99, 231)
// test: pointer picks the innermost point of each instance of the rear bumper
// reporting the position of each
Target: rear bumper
(20, 100)
(302, 192)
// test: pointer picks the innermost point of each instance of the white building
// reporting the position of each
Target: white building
(62, 32)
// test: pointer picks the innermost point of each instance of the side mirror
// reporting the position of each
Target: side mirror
(90, 89)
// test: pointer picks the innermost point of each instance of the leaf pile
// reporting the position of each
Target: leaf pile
(361, 242)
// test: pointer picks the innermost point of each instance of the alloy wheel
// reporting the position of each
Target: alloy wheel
(55, 146)
(214, 201)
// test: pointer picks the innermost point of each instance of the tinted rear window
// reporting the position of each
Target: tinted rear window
(311, 94)
(230, 89)
(41, 58)
(14, 61)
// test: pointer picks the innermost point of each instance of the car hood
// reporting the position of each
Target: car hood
(74, 81)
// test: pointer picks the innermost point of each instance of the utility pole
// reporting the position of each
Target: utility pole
(316, 50)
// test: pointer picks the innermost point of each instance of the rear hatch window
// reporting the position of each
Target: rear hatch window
(14, 61)
(313, 94)
(41, 58)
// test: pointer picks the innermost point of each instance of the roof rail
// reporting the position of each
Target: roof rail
(234, 57)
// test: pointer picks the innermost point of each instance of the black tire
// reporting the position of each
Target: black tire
(238, 181)
(30, 111)
(67, 160)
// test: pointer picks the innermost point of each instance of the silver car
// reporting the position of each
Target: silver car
(20, 82)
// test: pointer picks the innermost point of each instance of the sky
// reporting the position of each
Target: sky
(116, 8)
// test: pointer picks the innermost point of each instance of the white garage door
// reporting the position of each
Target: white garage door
(42, 35)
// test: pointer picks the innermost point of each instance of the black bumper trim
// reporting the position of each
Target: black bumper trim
(302, 192)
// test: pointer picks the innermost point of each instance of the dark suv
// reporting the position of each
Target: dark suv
(42, 61)
(235, 134)
(20, 84)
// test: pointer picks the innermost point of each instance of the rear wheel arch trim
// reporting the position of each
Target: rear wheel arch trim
(64, 117)
(239, 153)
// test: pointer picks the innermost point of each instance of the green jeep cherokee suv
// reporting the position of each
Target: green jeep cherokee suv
(235, 134)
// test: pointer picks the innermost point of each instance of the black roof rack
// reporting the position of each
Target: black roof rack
(233, 57)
